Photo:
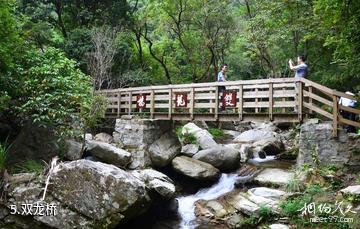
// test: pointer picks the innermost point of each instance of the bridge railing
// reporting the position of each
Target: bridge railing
(270, 99)
(259, 97)
(325, 102)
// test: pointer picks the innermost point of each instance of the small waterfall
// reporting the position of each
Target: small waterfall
(258, 160)
(186, 204)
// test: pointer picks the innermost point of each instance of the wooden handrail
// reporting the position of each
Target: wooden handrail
(204, 85)
(265, 98)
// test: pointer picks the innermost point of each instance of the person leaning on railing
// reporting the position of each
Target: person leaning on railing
(346, 114)
(221, 77)
(301, 71)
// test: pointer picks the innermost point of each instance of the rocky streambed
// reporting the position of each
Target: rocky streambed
(144, 175)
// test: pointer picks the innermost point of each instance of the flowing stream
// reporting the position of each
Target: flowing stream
(186, 203)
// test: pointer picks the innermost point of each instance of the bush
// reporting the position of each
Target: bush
(54, 89)
(295, 185)
(186, 138)
(31, 166)
(216, 133)
(265, 212)
(3, 155)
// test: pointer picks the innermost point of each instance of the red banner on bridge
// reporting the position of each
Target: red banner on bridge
(141, 101)
(180, 100)
(229, 99)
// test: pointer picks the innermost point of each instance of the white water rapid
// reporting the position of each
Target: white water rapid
(186, 204)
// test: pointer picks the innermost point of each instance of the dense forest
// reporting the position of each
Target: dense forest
(54, 53)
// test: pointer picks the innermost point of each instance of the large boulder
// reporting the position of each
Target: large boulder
(352, 190)
(222, 157)
(108, 153)
(248, 203)
(254, 135)
(274, 176)
(26, 190)
(316, 140)
(265, 126)
(140, 158)
(104, 137)
(73, 150)
(33, 143)
(163, 150)
(203, 138)
(195, 169)
(269, 146)
(190, 149)
(132, 132)
(157, 182)
(102, 192)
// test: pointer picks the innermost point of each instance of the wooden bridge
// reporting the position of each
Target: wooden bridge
(271, 99)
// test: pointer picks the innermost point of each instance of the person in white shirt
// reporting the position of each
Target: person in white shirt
(346, 114)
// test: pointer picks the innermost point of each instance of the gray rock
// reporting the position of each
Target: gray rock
(234, 221)
(232, 133)
(108, 153)
(156, 181)
(35, 143)
(216, 208)
(88, 136)
(104, 193)
(243, 204)
(194, 168)
(274, 176)
(317, 139)
(64, 218)
(133, 133)
(163, 150)
(140, 158)
(222, 157)
(236, 126)
(265, 126)
(353, 190)
(250, 202)
(190, 149)
(29, 192)
(270, 146)
(203, 137)
(254, 135)
(73, 150)
(201, 124)
(104, 137)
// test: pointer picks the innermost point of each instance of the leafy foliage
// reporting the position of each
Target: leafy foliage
(31, 166)
(54, 88)
(215, 132)
(184, 136)
(3, 155)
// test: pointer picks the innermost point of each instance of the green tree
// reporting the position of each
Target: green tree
(54, 89)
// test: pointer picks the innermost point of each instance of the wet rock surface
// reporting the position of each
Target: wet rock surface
(195, 169)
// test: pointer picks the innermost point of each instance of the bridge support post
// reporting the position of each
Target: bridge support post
(130, 102)
(152, 104)
(119, 104)
(216, 103)
(300, 100)
(335, 115)
(240, 108)
(192, 102)
(170, 103)
(310, 99)
(271, 101)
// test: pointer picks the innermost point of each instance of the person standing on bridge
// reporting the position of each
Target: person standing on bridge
(301, 71)
(221, 77)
